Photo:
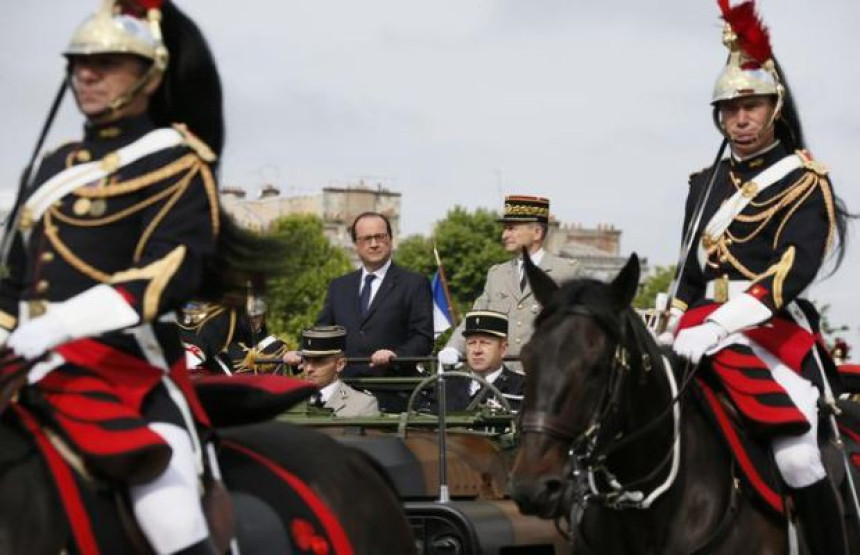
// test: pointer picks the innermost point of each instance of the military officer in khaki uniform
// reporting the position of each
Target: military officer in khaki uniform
(525, 220)
(323, 360)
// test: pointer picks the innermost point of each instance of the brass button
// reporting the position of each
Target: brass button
(81, 206)
(83, 155)
(42, 286)
(47, 256)
(519, 340)
(110, 162)
(520, 306)
(519, 323)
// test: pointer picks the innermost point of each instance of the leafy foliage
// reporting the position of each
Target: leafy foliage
(658, 282)
(296, 297)
(468, 244)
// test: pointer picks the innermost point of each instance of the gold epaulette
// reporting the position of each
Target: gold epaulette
(194, 142)
(812, 164)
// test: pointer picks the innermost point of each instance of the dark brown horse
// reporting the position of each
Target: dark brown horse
(362, 512)
(605, 446)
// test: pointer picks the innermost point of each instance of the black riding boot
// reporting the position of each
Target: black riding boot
(821, 517)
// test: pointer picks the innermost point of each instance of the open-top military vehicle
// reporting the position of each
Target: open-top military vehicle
(450, 470)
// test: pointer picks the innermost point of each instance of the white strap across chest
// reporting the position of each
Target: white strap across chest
(74, 177)
(743, 196)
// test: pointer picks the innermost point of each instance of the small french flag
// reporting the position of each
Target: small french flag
(442, 319)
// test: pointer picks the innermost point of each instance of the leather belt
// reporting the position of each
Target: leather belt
(724, 289)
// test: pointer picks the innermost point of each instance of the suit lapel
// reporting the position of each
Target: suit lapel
(385, 288)
(353, 291)
(546, 264)
(513, 279)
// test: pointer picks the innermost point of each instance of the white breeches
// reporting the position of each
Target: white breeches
(168, 508)
(797, 457)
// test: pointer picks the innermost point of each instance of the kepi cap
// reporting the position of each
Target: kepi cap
(486, 322)
(522, 208)
(320, 341)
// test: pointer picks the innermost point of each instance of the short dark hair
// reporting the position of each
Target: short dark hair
(368, 215)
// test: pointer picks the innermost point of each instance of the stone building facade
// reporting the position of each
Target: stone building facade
(598, 249)
(337, 207)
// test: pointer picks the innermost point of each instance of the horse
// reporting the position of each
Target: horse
(353, 504)
(613, 442)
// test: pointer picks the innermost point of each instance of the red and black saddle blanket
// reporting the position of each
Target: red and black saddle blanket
(763, 403)
(755, 461)
(247, 466)
(752, 454)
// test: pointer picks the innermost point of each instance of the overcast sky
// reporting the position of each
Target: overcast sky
(601, 106)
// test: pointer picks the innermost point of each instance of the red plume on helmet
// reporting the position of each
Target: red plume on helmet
(753, 36)
(139, 8)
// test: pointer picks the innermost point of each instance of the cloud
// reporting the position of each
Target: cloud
(603, 108)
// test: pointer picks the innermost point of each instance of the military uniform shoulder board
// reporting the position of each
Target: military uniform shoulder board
(195, 143)
(63, 148)
(696, 174)
(812, 164)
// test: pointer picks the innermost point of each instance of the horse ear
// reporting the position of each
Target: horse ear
(626, 283)
(542, 285)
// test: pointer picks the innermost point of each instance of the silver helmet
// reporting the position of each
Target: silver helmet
(114, 29)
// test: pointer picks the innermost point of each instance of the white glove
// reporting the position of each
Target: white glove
(449, 356)
(693, 343)
(34, 338)
(668, 337)
(92, 312)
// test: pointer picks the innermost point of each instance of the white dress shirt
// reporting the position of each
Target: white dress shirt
(475, 386)
(375, 284)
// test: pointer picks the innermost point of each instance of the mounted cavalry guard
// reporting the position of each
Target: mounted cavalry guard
(110, 238)
(225, 340)
(760, 225)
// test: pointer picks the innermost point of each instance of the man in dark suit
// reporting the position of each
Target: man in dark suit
(386, 310)
(486, 334)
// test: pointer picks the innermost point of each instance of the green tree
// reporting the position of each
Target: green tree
(296, 297)
(416, 253)
(468, 244)
(658, 282)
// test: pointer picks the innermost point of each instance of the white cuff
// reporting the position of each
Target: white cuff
(740, 313)
(95, 311)
(4, 335)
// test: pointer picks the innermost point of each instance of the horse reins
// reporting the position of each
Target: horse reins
(585, 446)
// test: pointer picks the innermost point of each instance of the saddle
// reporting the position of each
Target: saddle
(229, 401)
(758, 471)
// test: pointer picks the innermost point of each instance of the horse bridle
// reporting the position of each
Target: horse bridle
(590, 448)
(558, 427)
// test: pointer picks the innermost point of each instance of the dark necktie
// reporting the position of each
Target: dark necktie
(316, 400)
(364, 297)
(522, 279)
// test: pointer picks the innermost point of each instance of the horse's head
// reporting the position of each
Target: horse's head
(567, 365)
